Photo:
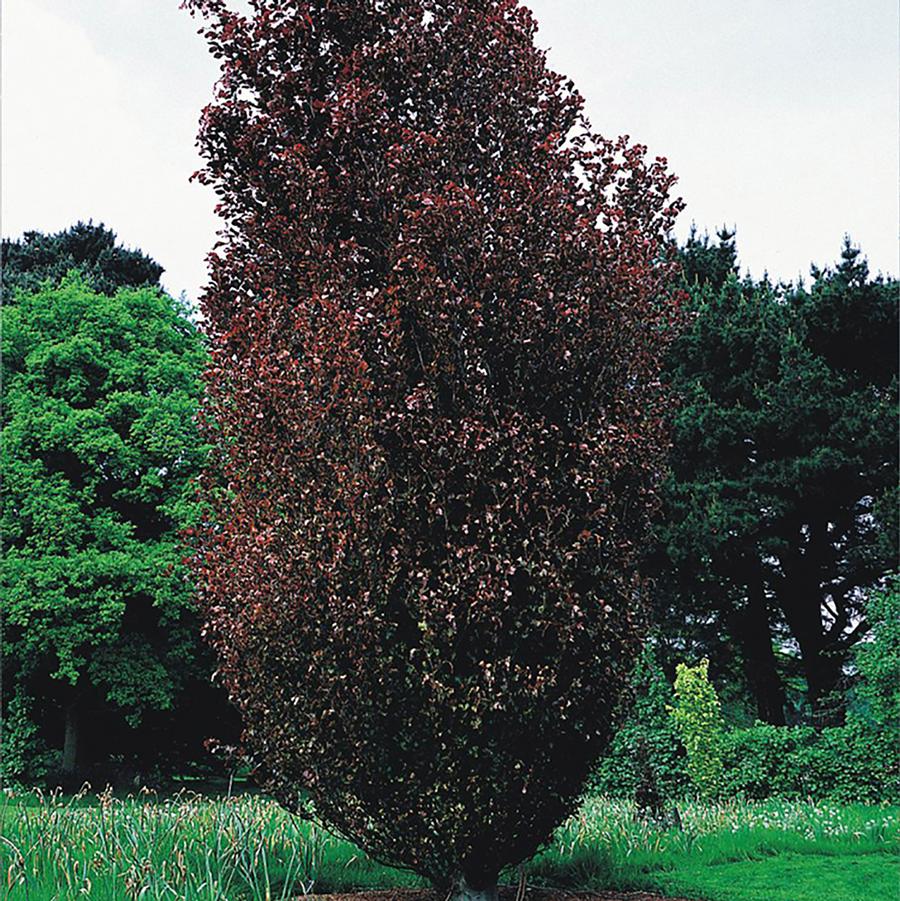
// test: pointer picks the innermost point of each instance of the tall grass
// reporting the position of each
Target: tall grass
(142, 847)
(246, 847)
(608, 844)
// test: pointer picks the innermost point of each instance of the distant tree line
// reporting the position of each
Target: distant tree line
(780, 515)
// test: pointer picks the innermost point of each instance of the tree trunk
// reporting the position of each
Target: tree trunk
(823, 673)
(801, 597)
(821, 668)
(463, 891)
(70, 742)
(754, 634)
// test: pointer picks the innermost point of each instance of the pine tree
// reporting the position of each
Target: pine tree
(106, 266)
(781, 510)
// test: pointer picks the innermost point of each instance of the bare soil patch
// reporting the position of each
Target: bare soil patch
(507, 893)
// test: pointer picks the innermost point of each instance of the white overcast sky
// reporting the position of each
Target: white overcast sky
(778, 116)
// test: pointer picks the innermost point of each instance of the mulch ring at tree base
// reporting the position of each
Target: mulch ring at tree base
(507, 893)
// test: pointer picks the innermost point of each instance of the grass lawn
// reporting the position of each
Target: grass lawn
(232, 849)
(790, 877)
(735, 851)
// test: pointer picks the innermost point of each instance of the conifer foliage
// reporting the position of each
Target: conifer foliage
(437, 313)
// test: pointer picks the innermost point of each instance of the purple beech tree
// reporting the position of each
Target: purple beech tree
(437, 313)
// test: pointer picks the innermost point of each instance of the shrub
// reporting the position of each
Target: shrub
(878, 659)
(437, 318)
(25, 757)
(698, 717)
(646, 740)
(858, 762)
(761, 760)
(852, 763)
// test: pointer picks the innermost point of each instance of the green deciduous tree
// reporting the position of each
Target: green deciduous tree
(100, 447)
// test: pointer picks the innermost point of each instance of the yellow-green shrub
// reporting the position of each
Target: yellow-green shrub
(698, 717)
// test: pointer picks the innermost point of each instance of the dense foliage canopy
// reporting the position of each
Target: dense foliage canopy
(437, 315)
(878, 660)
(100, 447)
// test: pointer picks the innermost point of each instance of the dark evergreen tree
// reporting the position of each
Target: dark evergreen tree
(838, 529)
(106, 266)
(706, 264)
(781, 504)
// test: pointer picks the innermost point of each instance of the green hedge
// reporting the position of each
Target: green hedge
(857, 762)
(852, 763)
(844, 763)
